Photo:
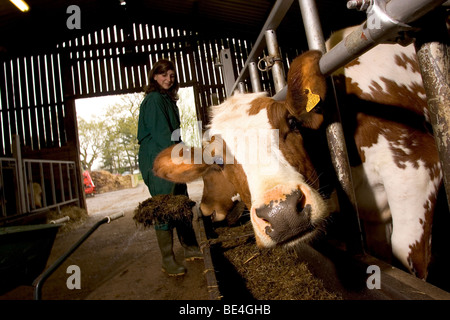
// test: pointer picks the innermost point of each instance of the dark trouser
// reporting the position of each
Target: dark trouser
(185, 232)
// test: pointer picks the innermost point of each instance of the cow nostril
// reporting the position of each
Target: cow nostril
(301, 203)
(269, 226)
(287, 219)
(276, 210)
(268, 229)
(306, 212)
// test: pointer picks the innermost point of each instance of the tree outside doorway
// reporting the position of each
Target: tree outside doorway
(108, 137)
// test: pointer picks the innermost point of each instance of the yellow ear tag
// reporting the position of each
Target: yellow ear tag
(313, 100)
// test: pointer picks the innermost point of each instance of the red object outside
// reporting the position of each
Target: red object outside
(89, 187)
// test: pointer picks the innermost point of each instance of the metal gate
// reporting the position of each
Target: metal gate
(30, 186)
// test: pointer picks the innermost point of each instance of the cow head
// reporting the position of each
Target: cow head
(256, 144)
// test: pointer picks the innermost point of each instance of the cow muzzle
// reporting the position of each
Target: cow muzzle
(285, 218)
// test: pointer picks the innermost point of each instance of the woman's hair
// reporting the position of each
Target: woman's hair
(162, 66)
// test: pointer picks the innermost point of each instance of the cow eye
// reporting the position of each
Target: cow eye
(219, 161)
(293, 123)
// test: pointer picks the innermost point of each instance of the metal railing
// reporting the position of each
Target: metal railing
(57, 181)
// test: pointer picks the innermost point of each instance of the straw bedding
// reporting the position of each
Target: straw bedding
(77, 215)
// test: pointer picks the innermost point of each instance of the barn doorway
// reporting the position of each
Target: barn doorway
(107, 129)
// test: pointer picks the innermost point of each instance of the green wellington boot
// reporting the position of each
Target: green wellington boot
(169, 264)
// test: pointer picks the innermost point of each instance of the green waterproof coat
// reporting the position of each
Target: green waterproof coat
(158, 119)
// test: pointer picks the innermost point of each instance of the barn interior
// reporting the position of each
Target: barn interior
(59, 51)
(53, 54)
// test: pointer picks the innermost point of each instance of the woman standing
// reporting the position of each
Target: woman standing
(158, 118)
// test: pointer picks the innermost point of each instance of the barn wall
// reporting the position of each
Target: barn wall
(37, 90)
(32, 103)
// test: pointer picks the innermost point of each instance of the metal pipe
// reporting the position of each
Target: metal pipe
(52, 179)
(335, 133)
(28, 186)
(77, 196)
(241, 87)
(61, 182)
(17, 154)
(398, 11)
(276, 15)
(44, 194)
(279, 78)
(60, 220)
(57, 205)
(433, 58)
(311, 22)
(377, 28)
(39, 281)
(49, 161)
(281, 95)
(254, 77)
(227, 71)
(384, 22)
(69, 182)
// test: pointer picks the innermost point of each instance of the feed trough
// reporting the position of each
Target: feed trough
(235, 267)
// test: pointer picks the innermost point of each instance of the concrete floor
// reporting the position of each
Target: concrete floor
(120, 260)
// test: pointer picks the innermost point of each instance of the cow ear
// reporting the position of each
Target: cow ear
(177, 163)
(306, 89)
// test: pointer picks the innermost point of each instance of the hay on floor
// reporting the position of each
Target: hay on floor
(270, 274)
(164, 208)
(77, 217)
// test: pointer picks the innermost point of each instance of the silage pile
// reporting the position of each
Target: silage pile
(105, 181)
(270, 274)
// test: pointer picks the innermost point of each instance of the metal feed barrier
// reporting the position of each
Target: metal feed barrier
(54, 182)
(61, 183)
(393, 19)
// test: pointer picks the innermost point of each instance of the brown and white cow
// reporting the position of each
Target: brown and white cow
(396, 169)
(398, 175)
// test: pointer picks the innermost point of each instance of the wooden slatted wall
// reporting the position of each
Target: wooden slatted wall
(38, 91)
(31, 99)
(116, 61)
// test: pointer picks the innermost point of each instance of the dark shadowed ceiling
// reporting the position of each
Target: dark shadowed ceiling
(44, 25)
